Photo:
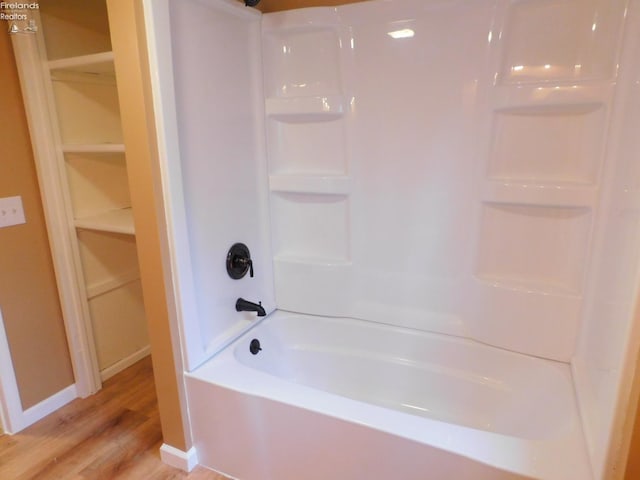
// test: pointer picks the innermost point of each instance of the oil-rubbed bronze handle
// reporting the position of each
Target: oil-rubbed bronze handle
(243, 262)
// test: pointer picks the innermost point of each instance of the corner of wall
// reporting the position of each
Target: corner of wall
(127, 25)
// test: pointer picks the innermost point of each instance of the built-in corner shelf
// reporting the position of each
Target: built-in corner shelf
(97, 64)
(305, 109)
(527, 286)
(93, 148)
(114, 221)
(315, 184)
(538, 193)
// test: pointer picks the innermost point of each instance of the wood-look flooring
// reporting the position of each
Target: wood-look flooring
(114, 434)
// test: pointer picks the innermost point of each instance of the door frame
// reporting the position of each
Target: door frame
(39, 102)
(10, 406)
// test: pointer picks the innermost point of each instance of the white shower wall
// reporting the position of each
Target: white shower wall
(391, 193)
(475, 176)
(209, 102)
(609, 336)
(447, 179)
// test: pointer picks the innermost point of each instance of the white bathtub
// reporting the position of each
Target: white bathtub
(345, 399)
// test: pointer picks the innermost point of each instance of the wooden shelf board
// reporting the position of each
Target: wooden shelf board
(93, 148)
(114, 221)
(95, 64)
(109, 284)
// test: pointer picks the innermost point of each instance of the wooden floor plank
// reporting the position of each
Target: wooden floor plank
(93, 450)
(114, 434)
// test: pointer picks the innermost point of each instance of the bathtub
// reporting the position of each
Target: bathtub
(338, 399)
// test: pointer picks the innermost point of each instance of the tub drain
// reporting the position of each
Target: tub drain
(254, 346)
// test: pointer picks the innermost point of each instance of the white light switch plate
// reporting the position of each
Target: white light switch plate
(11, 211)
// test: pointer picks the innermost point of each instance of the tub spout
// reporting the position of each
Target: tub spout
(243, 305)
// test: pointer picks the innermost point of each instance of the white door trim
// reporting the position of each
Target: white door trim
(10, 405)
(39, 103)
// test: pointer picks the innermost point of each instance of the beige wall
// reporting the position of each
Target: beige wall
(632, 424)
(28, 293)
(633, 463)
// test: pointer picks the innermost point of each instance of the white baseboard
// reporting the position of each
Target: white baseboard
(185, 461)
(40, 410)
(124, 363)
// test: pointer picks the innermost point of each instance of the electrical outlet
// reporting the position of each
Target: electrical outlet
(11, 211)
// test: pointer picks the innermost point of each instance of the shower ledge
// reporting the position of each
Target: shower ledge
(538, 287)
(318, 184)
(540, 193)
(305, 109)
(304, 260)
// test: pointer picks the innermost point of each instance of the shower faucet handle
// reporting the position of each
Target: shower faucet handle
(243, 261)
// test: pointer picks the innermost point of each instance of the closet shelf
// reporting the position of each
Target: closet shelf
(95, 64)
(318, 184)
(114, 221)
(109, 284)
(306, 109)
(93, 148)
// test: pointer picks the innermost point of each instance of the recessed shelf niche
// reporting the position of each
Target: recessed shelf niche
(73, 28)
(311, 226)
(531, 247)
(97, 182)
(551, 143)
(88, 112)
(560, 41)
(307, 148)
(302, 62)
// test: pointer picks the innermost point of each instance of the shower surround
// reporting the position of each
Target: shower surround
(463, 168)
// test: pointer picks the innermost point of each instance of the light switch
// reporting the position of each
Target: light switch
(11, 211)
